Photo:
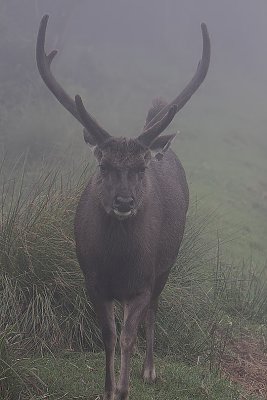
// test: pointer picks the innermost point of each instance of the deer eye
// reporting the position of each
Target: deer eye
(104, 169)
(137, 171)
(140, 171)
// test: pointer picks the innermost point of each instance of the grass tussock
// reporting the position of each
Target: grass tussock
(42, 289)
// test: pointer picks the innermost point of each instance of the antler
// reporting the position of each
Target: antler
(152, 127)
(44, 64)
(89, 122)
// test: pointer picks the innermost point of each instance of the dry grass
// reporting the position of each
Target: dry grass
(245, 363)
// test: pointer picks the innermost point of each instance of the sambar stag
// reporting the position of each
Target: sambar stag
(130, 218)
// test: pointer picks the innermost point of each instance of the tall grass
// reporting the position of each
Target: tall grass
(244, 291)
(42, 289)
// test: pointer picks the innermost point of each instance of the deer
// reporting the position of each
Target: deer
(130, 218)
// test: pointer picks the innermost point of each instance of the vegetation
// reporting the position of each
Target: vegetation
(81, 376)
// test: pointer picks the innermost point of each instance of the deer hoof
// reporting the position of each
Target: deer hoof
(121, 395)
(108, 396)
(149, 375)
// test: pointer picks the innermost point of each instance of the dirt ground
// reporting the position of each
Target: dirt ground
(245, 362)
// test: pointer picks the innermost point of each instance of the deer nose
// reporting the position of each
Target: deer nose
(123, 204)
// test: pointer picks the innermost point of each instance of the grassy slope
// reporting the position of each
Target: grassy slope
(81, 377)
(230, 178)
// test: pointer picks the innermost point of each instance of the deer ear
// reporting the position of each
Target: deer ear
(160, 145)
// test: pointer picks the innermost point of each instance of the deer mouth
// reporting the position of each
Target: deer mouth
(123, 207)
(122, 214)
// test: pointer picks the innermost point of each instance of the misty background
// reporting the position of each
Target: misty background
(119, 56)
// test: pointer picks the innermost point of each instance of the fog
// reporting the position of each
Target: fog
(119, 55)
(125, 41)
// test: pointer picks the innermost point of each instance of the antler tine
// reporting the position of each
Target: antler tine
(43, 63)
(149, 134)
(89, 122)
(195, 82)
(44, 66)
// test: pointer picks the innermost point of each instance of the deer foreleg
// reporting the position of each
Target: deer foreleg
(105, 314)
(149, 372)
(133, 314)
